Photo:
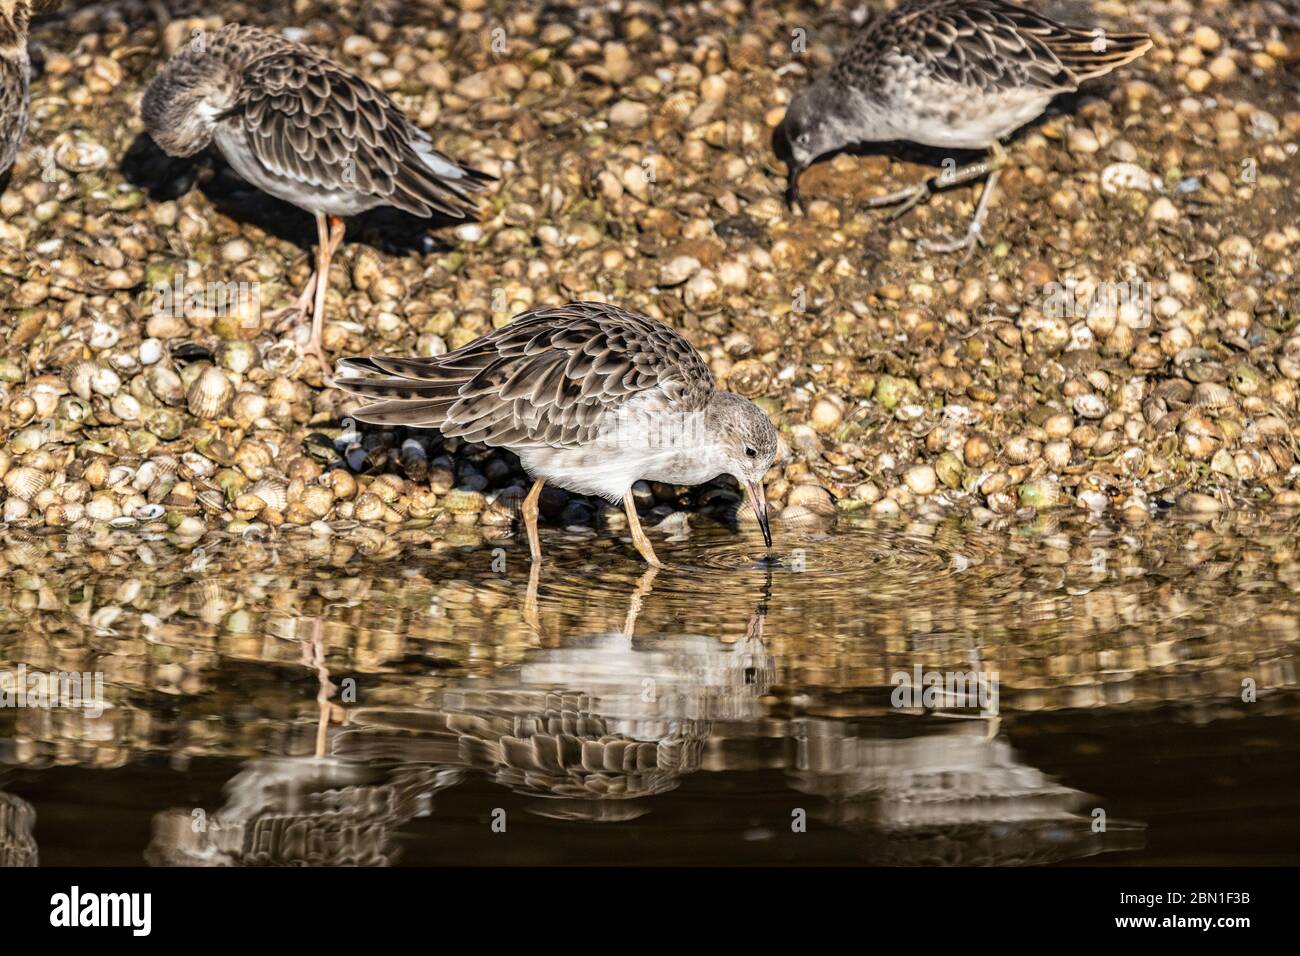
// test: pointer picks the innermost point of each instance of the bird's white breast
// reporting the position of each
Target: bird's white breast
(641, 440)
(314, 199)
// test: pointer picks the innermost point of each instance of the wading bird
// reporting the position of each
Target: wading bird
(952, 74)
(300, 127)
(591, 397)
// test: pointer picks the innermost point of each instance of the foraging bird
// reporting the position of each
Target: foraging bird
(299, 126)
(15, 73)
(591, 397)
(958, 74)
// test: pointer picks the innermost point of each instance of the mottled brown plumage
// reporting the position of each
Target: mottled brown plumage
(15, 75)
(590, 396)
(544, 379)
(951, 74)
(983, 45)
(302, 128)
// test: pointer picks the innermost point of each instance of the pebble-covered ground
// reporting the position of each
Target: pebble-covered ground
(1125, 343)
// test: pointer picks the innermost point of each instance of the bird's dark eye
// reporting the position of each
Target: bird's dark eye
(803, 139)
(751, 453)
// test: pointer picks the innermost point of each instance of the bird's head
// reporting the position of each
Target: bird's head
(748, 444)
(184, 102)
(812, 127)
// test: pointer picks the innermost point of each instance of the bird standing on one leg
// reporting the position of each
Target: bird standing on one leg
(954, 74)
(300, 127)
(591, 397)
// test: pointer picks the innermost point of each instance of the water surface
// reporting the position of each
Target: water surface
(304, 699)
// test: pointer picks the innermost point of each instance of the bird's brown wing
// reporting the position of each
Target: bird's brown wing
(989, 45)
(544, 379)
(13, 109)
(308, 119)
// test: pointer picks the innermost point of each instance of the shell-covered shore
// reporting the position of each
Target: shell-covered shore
(1126, 343)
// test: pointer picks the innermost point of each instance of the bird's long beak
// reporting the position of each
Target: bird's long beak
(758, 501)
(792, 197)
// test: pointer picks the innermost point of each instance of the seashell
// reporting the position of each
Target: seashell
(1119, 176)
(248, 407)
(1090, 405)
(1205, 372)
(15, 509)
(1175, 390)
(79, 376)
(238, 356)
(30, 438)
(414, 459)
(749, 378)
(814, 498)
(124, 363)
(81, 157)
(1212, 395)
(283, 357)
(677, 107)
(253, 457)
(165, 423)
(26, 483)
(150, 352)
(272, 491)
(194, 465)
(125, 407)
(210, 395)
(103, 336)
(164, 383)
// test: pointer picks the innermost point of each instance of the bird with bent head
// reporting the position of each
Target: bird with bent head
(591, 397)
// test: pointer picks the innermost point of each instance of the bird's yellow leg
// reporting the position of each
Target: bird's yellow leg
(529, 510)
(639, 539)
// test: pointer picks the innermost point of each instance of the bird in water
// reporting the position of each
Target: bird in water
(16, 73)
(302, 128)
(590, 396)
(951, 74)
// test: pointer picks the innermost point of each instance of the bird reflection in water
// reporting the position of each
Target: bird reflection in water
(591, 728)
(952, 793)
(17, 825)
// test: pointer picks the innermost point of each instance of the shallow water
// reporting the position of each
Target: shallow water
(292, 700)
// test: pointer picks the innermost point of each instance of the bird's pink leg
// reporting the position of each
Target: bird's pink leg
(331, 235)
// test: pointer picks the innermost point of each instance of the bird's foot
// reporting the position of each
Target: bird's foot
(904, 199)
(315, 348)
(973, 239)
(281, 320)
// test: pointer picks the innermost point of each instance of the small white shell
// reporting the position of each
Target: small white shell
(81, 157)
(1119, 176)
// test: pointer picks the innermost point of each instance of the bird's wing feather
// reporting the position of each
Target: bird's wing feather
(306, 118)
(545, 379)
(13, 108)
(988, 45)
